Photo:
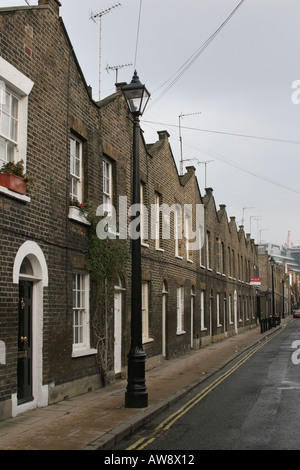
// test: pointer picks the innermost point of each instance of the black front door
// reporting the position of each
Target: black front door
(25, 343)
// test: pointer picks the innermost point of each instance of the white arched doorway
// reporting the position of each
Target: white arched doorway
(30, 272)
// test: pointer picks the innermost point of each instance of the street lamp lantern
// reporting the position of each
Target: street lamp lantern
(136, 95)
(136, 395)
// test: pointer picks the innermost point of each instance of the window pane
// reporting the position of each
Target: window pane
(6, 102)
(5, 125)
(10, 151)
(14, 107)
(2, 151)
(14, 129)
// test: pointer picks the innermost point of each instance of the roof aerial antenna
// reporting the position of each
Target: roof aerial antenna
(205, 177)
(116, 68)
(180, 139)
(27, 2)
(94, 17)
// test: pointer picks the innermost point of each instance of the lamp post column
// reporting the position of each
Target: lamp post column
(136, 395)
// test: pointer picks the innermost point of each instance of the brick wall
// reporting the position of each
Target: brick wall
(59, 104)
(34, 41)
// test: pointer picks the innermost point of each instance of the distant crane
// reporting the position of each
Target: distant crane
(287, 244)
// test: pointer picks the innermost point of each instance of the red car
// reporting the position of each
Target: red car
(296, 313)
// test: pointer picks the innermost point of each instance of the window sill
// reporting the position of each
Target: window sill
(14, 195)
(147, 340)
(76, 214)
(178, 333)
(84, 352)
(159, 249)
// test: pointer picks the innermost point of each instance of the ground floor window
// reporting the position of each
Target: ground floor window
(180, 310)
(81, 333)
(145, 311)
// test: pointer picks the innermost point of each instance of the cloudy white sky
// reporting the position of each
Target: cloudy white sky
(235, 95)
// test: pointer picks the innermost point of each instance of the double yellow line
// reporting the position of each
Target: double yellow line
(170, 420)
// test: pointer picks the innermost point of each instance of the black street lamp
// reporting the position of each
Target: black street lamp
(136, 395)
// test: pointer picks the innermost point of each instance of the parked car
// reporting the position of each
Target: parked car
(296, 313)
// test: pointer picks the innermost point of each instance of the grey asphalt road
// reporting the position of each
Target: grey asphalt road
(253, 404)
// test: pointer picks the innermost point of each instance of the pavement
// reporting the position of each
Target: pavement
(98, 420)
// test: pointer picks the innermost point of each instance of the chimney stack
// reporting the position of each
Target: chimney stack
(54, 4)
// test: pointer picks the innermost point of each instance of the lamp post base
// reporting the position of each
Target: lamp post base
(136, 395)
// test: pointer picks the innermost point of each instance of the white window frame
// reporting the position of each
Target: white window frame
(158, 222)
(180, 310)
(9, 118)
(208, 250)
(201, 247)
(80, 301)
(107, 185)
(178, 231)
(230, 309)
(145, 312)
(218, 309)
(76, 176)
(20, 86)
(202, 319)
(188, 232)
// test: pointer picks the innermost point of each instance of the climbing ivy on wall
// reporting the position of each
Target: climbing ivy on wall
(107, 261)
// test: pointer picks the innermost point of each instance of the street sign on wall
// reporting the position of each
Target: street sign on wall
(255, 281)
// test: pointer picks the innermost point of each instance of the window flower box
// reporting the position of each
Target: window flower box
(13, 178)
(13, 182)
(77, 212)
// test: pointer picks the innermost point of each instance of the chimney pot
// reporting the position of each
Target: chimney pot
(209, 190)
(163, 135)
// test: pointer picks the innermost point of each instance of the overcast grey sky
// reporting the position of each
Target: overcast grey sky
(241, 83)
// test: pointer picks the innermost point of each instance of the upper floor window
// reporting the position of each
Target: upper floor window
(208, 250)
(188, 234)
(178, 231)
(107, 183)
(143, 215)
(9, 115)
(158, 221)
(15, 88)
(76, 169)
(220, 256)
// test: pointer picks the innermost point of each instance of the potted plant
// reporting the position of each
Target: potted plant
(12, 177)
(77, 211)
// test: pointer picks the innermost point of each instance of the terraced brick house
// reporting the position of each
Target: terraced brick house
(56, 338)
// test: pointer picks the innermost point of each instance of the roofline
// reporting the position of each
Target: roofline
(25, 7)
(47, 7)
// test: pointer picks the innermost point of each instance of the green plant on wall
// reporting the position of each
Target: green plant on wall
(107, 261)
